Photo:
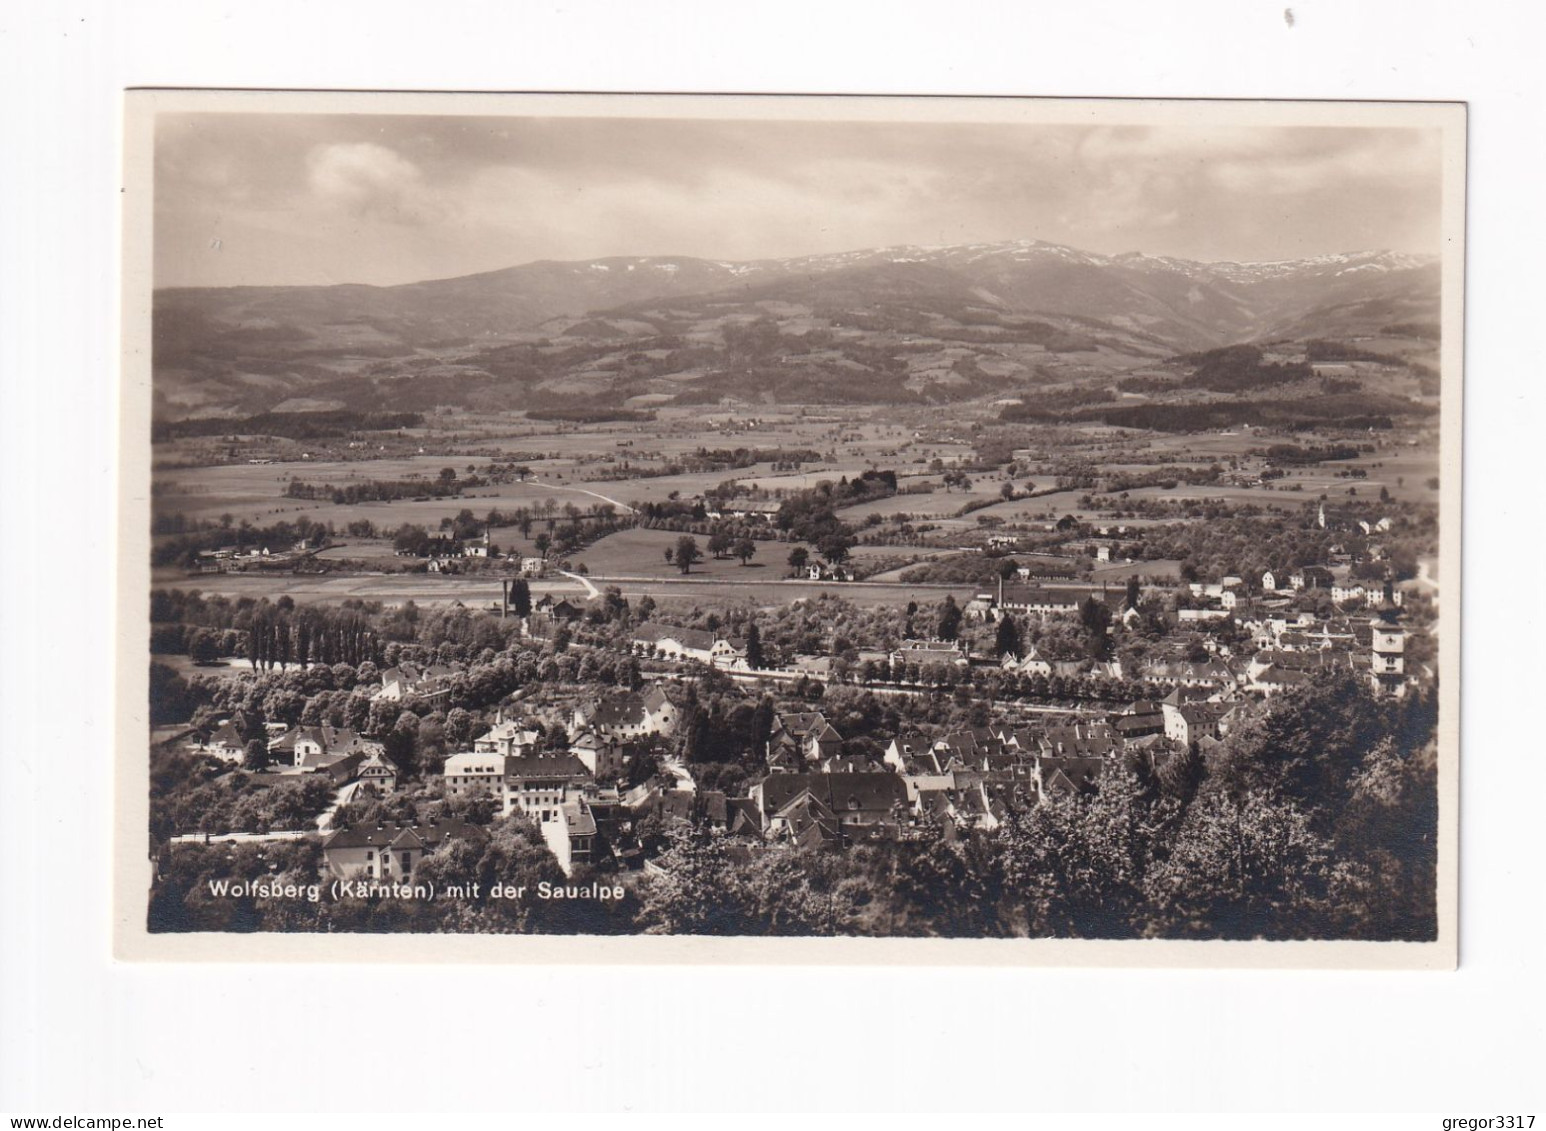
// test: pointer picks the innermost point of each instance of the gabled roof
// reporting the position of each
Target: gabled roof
(1076, 772)
(865, 792)
(226, 735)
(619, 711)
(338, 741)
(799, 723)
(376, 765)
(697, 638)
(742, 816)
(1282, 677)
(383, 834)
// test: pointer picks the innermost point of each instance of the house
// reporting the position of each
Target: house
(318, 747)
(1083, 740)
(1269, 582)
(534, 567)
(1064, 776)
(1310, 577)
(1140, 725)
(1188, 722)
(560, 610)
(926, 652)
(1211, 674)
(538, 784)
(226, 743)
(346, 770)
(912, 755)
(388, 851)
(821, 571)
(603, 756)
(1273, 679)
(1022, 598)
(408, 680)
(628, 716)
(571, 836)
(854, 802)
(506, 737)
(800, 737)
(806, 821)
(849, 764)
(681, 644)
(1031, 664)
(1189, 615)
(377, 771)
(982, 607)
(474, 770)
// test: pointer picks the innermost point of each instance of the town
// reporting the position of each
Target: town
(919, 731)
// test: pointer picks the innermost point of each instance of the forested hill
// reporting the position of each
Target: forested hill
(900, 323)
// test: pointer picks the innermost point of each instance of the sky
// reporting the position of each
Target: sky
(243, 198)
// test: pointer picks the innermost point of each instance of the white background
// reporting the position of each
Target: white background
(81, 1033)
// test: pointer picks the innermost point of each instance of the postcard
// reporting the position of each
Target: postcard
(711, 529)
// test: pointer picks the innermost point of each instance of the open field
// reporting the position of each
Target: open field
(641, 553)
(482, 592)
(582, 465)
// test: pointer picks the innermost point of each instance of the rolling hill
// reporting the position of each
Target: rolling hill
(903, 323)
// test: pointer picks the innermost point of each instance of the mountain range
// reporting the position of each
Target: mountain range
(916, 323)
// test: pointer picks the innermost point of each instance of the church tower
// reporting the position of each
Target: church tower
(1388, 662)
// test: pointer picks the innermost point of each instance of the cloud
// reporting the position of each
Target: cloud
(381, 198)
(369, 180)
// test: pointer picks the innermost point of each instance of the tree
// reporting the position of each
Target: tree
(204, 646)
(745, 549)
(1007, 640)
(256, 757)
(458, 728)
(798, 557)
(835, 546)
(754, 657)
(401, 742)
(542, 542)
(411, 540)
(949, 625)
(687, 553)
(719, 543)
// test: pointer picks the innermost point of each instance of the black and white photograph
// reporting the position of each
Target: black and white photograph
(1003, 530)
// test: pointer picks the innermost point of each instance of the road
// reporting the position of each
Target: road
(342, 797)
(590, 590)
(584, 491)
